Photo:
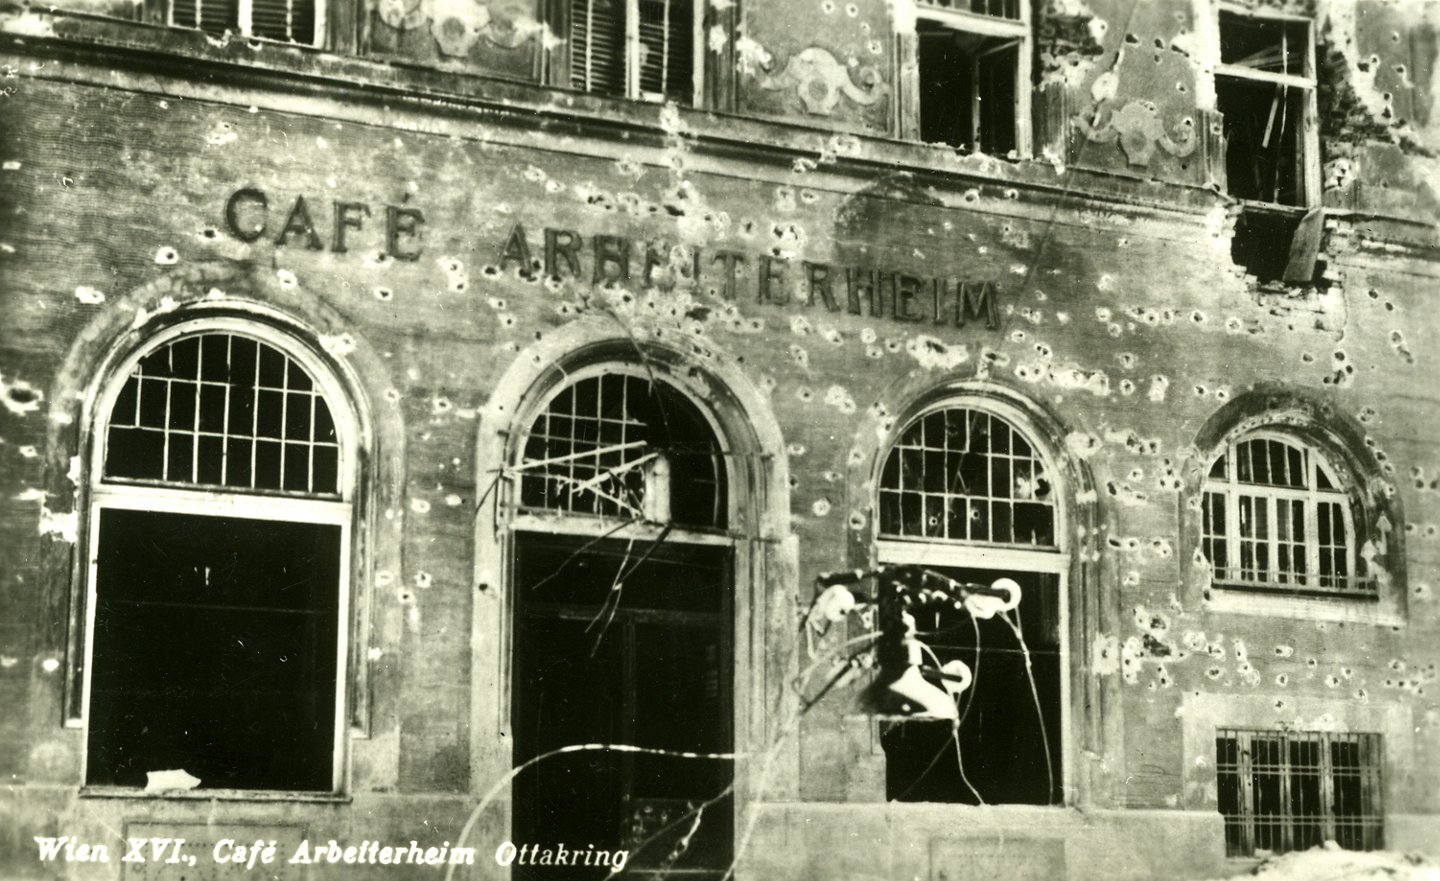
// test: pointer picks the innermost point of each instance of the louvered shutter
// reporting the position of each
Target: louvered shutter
(290, 20)
(666, 53)
(597, 46)
(211, 16)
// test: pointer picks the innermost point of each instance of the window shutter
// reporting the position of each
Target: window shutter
(290, 20)
(597, 46)
(666, 54)
(211, 16)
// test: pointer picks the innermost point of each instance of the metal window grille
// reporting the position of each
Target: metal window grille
(1285, 790)
(1274, 518)
(291, 21)
(619, 445)
(635, 48)
(966, 475)
(223, 410)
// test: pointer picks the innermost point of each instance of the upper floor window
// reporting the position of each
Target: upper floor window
(972, 83)
(290, 21)
(220, 533)
(966, 493)
(1276, 518)
(643, 49)
(1281, 791)
(1265, 88)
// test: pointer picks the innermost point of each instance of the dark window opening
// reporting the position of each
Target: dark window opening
(623, 446)
(214, 651)
(1264, 140)
(967, 88)
(1008, 746)
(1285, 791)
(623, 643)
(1273, 45)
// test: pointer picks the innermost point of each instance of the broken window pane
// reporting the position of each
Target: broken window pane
(966, 475)
(623, 643)
(1264, 133)
(1008, 748)
(215, 645)
(627, 447)
(968, 87)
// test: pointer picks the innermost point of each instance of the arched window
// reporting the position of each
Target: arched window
(1277, 519)
(623, 625)
(220, 531)
(965, 491)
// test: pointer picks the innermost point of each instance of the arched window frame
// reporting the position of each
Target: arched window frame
(1054, 560)
(515, 522)
(337, 509)
(1316, 464)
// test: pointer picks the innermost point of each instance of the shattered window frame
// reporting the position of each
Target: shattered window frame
(306, 621)
(998, 26)
(672, 573)
(1251, 70)
(632, 39)
(1046, 565)
(1281, 791)
(1249, 547)
(239, 17)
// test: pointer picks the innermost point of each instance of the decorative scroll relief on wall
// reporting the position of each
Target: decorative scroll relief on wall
(1139, 129)
(820, 79)
(458, 25)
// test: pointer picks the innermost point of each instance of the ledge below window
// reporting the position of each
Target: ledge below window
(1382, 610)
(213, 795)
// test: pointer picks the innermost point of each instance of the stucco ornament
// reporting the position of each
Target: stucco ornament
(403, 15)
(1139, 129)
(820, 79)
(457, 25)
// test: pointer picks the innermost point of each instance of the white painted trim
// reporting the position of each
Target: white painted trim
(622, 530)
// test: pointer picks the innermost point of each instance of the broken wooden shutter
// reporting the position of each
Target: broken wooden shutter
(666, 67)
(597, 46)
(290, 20)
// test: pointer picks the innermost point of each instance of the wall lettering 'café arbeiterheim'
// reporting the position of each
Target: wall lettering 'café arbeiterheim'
(396, 394)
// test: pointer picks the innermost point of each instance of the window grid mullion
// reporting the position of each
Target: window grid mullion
(1327, 790)
(1246, 769)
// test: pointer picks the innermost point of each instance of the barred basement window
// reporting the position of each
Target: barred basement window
(965, 491)
(289, 21)
(642, 49)
(972, 89)
(1288, 790)
(219, 531)
(1276, 519)
(623, 623)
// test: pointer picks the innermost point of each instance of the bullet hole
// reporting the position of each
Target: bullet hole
(167, 256)
(1311, 663)
(392, 395)
(441, 406)
(1282, 680)
(1132, 40)
(1127, 360)
(384, 295)
(406, 596)
(805, 394)
(793, 481)
(1234, 325)
(1307, 358)
(1201, 391)
(1018, 336)
(1214, 673)
(857, 520)
(971, 196)
(800, 357)
(420, 506)
(288, 281)
(1127, 387)
(490, 271)
(852, 10)
(821, 507)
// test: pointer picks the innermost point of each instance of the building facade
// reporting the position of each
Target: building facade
(425, 423)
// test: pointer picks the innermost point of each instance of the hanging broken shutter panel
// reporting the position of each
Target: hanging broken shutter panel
(597, 46)
(211, 16)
